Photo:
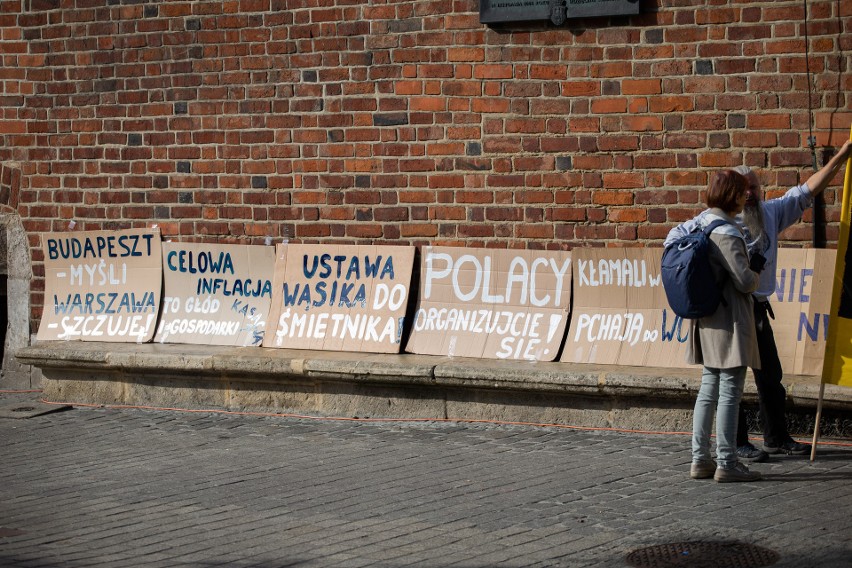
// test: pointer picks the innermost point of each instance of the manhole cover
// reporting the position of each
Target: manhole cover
(23, 409)
(4, 532)
(703, 555)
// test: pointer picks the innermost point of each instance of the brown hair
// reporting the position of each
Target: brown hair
(725, 187)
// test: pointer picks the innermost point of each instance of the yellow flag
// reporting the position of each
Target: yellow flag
(837, 366)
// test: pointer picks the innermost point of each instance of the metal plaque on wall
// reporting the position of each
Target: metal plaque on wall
(557, 11)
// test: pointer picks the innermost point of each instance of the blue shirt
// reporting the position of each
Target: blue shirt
(778, 214)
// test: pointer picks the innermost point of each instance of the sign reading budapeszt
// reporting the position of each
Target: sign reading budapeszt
(101, 285)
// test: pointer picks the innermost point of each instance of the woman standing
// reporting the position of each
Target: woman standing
(725, 343)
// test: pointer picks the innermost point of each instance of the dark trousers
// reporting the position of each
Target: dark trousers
(770, 392)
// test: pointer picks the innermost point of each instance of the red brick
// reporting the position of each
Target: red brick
(607, 106)
(530, 231)
(642, 123)
(418, 230)
(641, 87)
(612, 198)
(630, 215)
(768, 121)
(624, 180)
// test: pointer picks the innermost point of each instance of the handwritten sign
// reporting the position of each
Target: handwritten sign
(215, 294)
(802, 304)
(621, 315)
(340, 298)
(494, 304)
(101, 285)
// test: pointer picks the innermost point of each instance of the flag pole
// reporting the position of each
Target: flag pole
(840, 262)
(818, 417)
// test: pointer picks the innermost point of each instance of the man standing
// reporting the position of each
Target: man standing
(762, 221)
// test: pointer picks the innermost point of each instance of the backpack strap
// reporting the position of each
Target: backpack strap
(714, 225)
(707, 230)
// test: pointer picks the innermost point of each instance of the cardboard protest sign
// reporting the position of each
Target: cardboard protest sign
(493, 304)
(339, 297)
(215, 294)
(620, 313)
(101, 285)
(802, 303)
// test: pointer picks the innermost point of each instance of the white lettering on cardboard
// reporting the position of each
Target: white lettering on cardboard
(367, 327)
(622, 272)
(99, 273)
(440, 266)
(625, 328)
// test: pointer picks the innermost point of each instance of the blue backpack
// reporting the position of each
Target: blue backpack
(691, 287)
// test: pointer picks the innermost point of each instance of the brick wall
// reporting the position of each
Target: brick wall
(408, 121)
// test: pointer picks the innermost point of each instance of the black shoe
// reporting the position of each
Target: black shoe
(748, 453)
(791, 448)
(737, 473)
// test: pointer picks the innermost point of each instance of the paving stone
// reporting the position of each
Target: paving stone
(107, 487)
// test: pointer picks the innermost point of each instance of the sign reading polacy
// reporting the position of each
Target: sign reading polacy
(557, 11)
(492, 304)
(101, 285)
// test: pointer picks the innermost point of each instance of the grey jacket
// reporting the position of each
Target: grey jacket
(727, 338)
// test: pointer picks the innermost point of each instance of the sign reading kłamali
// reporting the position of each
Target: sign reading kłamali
(101, 285)
(493, 304)
(620, 314)
(215, 294)
(339, 297)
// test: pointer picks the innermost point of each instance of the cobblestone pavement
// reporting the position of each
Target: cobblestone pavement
(128, 487)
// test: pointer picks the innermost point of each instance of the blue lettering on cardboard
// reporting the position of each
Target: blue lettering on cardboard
(812, 330)
(97, 247)
(322, 266)
(793, 284)
(669, 334)
(104, 303)
(199, 262)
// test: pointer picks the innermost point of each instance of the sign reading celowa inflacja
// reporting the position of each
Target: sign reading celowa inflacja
(557, 11)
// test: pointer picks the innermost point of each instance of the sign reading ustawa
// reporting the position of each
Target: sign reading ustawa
(215, 294)
(339, 297)
(495, 304)
(101, 285)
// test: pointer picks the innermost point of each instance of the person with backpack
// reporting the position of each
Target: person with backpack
(762, 221)
(725, 341)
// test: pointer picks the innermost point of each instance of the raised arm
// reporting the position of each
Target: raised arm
(819, 181)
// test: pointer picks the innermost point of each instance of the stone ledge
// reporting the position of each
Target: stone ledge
(397, 385)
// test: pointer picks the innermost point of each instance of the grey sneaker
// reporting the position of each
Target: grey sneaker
(792, 448)
(737, 473)
(748, 453)
(703, 469)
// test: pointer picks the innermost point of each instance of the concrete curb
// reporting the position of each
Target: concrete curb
(389, 385)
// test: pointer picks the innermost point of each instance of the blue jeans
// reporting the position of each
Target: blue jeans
(721, 390)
